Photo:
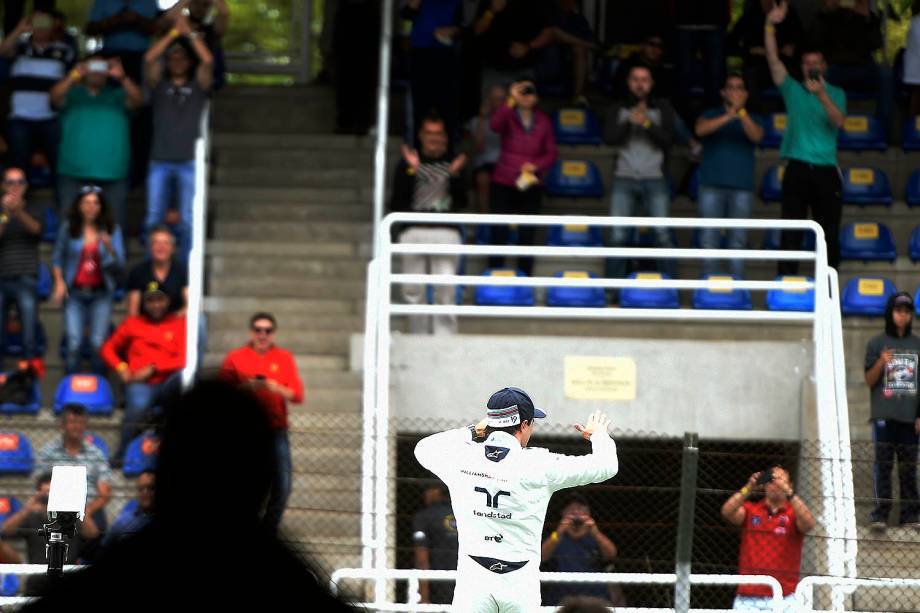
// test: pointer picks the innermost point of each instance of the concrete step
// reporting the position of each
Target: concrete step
(268, 287)
(264, 247)
(341, 268)
(296, 211)
(325, 231)
(354, 176)
(242, 307)
(319, 400)
(225, 323)
(257, 195)
(332, 143)
(305, 362)
(297, 341)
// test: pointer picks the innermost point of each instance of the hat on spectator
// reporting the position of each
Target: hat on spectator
(511, 406)
(902, 299)
(153, 289)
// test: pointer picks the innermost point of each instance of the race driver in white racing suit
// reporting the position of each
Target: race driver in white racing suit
(499, 490)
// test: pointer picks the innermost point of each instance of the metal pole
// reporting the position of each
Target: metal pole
(383, 114)
(688, 472)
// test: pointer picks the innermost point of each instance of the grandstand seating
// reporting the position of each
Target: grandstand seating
(791, 299)
(695, 239)
(862, 132)
(30, 408)
(575, 296)
(15, 453)
(45, 282)
(497, 295)
(141, 455)
(774, 126)
(910, 135)
(574, 236)
(866, 296)
(638, 298)
(914, 247)
(867, 241)
(8, 506)
(771, 189)
(94, 439)
(9, 585)
(863, 186)
(92, 391)
(912, 189)
(722, 299)
(576, 126)
(575, 179)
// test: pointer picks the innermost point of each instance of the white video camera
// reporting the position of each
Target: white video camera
(66, 504)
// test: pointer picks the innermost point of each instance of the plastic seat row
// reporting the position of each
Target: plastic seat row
(91, 391)
(17, 458)
(638, 298)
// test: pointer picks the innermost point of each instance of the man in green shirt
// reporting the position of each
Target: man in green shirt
(95, 144)
(815, 110)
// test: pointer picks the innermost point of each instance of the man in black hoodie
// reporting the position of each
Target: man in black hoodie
(891, 374)
(429, 182)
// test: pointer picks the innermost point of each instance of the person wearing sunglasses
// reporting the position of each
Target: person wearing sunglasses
(270, 372)
(20, 235)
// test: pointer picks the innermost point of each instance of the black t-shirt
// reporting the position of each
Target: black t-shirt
(176, 281)
(895, 395)
(521, 21)
(436, 529)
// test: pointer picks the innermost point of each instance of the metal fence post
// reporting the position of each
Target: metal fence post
(688, 471)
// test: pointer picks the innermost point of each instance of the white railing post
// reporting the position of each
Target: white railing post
(383, 117)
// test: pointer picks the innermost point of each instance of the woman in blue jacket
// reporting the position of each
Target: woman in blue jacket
(88, 256)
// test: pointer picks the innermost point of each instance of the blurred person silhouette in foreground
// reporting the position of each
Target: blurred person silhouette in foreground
(207, 545)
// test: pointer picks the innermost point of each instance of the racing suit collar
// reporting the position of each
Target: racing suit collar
(503, 439)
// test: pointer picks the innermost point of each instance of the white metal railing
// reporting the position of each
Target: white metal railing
(840, 586)
(22, 570)
(413, 576)
(827, 339)
(198, 225)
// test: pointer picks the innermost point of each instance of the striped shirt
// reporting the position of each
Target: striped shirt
(18, 248)
(90, 456)
(33, 72)
(432, 188)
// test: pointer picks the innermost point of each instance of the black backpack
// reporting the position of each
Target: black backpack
(18, 387)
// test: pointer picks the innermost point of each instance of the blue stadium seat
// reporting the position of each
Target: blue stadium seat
(771, 190)
(863, 185)
(504, 295)
(91, 391)
(141, 455)
(575, 296)
(791, 300)
(867, 241)
(12, 340)
(723, 299)
(912, 191)
(8, 506)
(576, 126)
(44, 285)
(914, 249)
(575, 236)
(9, 585)
(93, 438)
(774, 126)
(575, 179)
(862, 132)
(866, 296)
(30, 408)
(637, 298)
(50, 225)
(910, 135)
(15, 454)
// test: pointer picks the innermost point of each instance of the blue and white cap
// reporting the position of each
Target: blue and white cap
(511, 406)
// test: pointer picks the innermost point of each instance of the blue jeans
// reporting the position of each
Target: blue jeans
(86, 306)
(626, 197)
(141, 405)
(281, 485)
(25, 136)
(115, 193)
(21, 290)
(716, 202)
(160, 180)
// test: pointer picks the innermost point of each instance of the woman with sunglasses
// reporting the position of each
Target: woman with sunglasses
(88, 258)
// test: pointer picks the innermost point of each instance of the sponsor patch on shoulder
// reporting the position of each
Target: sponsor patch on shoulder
(496, 454)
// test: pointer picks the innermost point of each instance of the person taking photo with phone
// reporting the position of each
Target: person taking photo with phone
(816, 110)
(773, 528)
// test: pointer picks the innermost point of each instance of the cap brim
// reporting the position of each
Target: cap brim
(539, 413)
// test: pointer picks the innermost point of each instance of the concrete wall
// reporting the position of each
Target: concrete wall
(738, 390)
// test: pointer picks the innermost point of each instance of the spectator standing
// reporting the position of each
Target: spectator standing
(729, 135)
(746, 38)
(72, 449)
(88, 261)
(772, 531)
(178, 99)
(816, 110)
(20, 234)
(510, 32)
(642, 129)
(577, 545)
(430, 182)
(572, 39)
(270, 372)
(148, 352)
(701, 26)
(134, 518)
(651, 55)
(891, 374)
(487, 145)
(125, 27)
(39, 60)
(95, 131)
(434, 538)
(434, 64)
(528, 151)
(912, 59)
(161, 268)
(848, 36)
(210, 19)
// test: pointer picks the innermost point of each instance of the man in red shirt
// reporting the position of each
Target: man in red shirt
(772, 531)
(148, 353)
(271, 373)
